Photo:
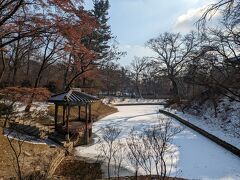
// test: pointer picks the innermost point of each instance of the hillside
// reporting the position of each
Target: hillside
(225, 125)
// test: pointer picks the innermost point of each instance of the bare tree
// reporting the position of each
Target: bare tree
(52, 52)
(151, 81)
(16, 13)
(8, 9)
(227, 66)
(118, 158)
(18, 55)
(109, 146)
(138, 66)
(160, 137)
(110, 76)
(216, 64)
(229, 8)
(140, 154)
(134, 145)
(172, 54)
(17, 156)
(152, 147)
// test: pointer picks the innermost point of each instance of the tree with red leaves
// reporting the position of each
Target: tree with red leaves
(70, 23)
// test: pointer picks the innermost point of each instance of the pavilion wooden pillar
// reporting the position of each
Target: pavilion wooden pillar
(86, 124)
(64, 112)
(79, 113)
(89, 114)
(67, 123)
(90, 120)
(56, 116)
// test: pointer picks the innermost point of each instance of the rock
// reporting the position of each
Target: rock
(26, 153)
(53, 146)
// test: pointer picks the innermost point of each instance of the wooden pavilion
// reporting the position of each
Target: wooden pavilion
(77, 130)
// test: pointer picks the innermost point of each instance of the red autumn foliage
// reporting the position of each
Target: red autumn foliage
(37, 20)
(75, 25)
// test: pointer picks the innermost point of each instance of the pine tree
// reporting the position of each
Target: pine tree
(103, 34)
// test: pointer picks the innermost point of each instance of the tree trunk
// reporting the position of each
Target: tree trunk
(136, 175)
(84, 82)
(27, 109)
(28, 65)
(174, 87)
(3, 63)
(9, 76)
(15, 64)
(3, 68)
(66, 73)
(138, 89)
(14, 75)
(214, 101)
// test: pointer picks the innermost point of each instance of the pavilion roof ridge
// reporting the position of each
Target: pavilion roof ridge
(73, 96)
(68, 94)
(77, 89)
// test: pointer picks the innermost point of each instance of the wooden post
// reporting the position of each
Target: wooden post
(90, 120)
(55, 116)
(64, 110)
(86, 124)
(68, 114)
(90, 114)
(79, 113)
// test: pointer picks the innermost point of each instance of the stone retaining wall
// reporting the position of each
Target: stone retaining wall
(213, 138)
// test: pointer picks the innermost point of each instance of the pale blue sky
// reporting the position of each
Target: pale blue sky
(134, 22)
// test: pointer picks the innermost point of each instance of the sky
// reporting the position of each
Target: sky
(134, 22)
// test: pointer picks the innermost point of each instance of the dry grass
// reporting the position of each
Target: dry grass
(76, 168)
(36, 156)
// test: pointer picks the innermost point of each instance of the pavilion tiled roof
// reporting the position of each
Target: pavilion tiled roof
(73, 96)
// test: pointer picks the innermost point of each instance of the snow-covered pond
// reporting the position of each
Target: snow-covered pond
(196, 156)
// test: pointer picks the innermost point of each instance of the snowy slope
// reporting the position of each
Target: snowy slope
(226, 125)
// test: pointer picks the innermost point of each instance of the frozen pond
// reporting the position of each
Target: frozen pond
(196, 156)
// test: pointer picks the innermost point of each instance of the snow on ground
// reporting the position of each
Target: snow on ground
(197, 157)
(38, 110)
(37, 107)
(226, 125)
(118, 100)
(24, 137)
